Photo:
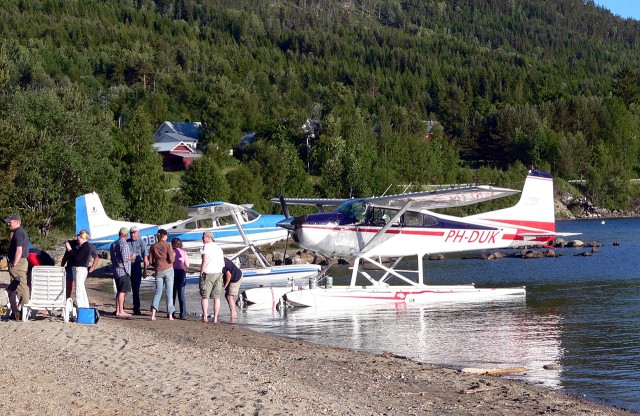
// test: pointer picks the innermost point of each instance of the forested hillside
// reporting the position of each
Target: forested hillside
(501, 84)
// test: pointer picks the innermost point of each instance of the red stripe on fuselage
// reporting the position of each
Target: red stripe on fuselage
(375, 230)
(540, 225)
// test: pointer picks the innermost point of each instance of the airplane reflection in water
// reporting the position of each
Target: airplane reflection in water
(496, 335)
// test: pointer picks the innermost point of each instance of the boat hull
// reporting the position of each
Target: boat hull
(370, 295)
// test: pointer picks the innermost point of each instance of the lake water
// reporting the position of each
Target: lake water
(582, 313)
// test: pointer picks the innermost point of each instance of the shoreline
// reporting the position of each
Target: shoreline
(134, 366)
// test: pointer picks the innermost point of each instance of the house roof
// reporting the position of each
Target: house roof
(247, 138)
(185, 128)
(175, 137)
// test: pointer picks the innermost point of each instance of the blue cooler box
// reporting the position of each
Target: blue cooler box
(88, 316)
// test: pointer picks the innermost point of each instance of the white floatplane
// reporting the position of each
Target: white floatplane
(399, 226)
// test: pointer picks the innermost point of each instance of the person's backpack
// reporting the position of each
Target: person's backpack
(112, 255)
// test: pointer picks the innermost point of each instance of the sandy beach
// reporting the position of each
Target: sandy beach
(136, 366)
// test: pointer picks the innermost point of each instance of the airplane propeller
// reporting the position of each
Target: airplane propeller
(283, 204)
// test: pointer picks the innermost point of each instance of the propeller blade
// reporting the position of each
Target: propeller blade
(283, 204)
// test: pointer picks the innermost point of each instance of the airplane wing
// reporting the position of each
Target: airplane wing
(214, 209)
(442, 198)
(319, 203)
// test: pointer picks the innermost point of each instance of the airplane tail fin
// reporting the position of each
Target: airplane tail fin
(91, 216)
(535, 212)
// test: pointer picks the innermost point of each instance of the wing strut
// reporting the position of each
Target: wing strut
(248, 245)
(374, 241)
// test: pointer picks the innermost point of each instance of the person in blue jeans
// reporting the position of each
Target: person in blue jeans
(161, 256)
(138, 265)
(180, 275)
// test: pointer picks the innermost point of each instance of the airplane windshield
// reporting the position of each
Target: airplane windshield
(250, 214)
(353, 210)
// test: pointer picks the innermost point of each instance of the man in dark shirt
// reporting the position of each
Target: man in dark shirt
(18, 265)
(138, 265)
(232, 276)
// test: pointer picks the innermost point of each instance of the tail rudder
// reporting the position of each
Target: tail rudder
(91, 216)
(534, 211)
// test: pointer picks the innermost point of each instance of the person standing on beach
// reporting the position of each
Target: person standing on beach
(162, 257)
(81, 258)
(138, 265)
(180, 275)
(121, 263)
(232, 276)
(18, 265)
(211, 276)
(68, 264)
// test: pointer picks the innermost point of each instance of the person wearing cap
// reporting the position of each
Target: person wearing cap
(18, 265)
(211, 276)
(138, 265)
(121, 264)
(162, 257)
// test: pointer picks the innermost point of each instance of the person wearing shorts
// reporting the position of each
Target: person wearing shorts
(232, 276)
(211, 276)
(121, 263)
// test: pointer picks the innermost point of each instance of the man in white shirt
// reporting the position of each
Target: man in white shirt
(211, 276)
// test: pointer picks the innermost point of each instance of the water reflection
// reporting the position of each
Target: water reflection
(494, 335)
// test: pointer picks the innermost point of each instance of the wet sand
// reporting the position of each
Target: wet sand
(136, 366)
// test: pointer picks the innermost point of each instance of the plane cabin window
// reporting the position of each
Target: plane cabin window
(412, 219)
(205, 223)
(353, 211)
(225, 220)
(379, 216)
(429, 221)
(251, 215)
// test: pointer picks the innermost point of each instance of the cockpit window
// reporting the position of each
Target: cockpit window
(353, 210)
(250, 215)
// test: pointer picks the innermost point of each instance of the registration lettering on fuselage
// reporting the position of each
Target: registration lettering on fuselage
(472, 236)
(149, 239)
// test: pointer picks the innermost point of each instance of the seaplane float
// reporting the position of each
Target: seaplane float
(404, 225)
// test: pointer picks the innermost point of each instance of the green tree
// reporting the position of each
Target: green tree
(203, 181)
(40, 186)
(143, 180)
(625, 85)
(247, 188)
